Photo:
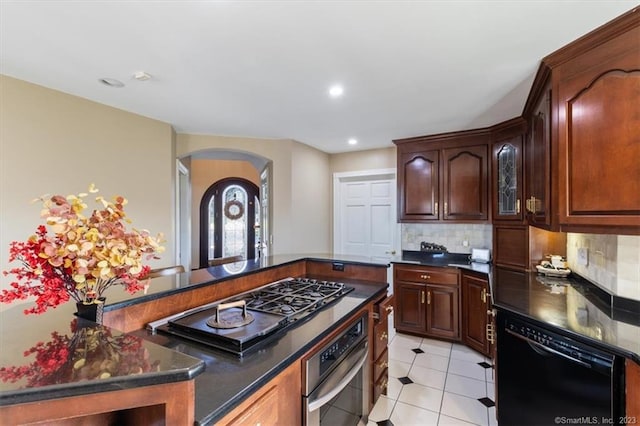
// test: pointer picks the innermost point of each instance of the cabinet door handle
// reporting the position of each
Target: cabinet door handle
(428, 298)
(532, 204)
(446, 210)
(422, 292)
(384, 335)
(490, 333)
(518, 206)
(425, 277)
(483, 295)
(383, 364)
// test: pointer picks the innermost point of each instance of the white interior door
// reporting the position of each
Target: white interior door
(365, 214)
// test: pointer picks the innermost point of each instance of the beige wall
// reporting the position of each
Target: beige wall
(293, 228)
(205, 173)
(384, 158)
(52, 142)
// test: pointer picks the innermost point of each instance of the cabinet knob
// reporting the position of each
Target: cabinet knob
(389, 309)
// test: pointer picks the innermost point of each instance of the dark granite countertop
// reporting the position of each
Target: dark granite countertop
(228, 379)
(55, 355)
(443, 260)
(573, 305)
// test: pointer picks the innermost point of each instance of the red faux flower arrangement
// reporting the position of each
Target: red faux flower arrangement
(77, 256)
(90, 353)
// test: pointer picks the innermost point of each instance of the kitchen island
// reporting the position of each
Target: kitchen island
(228, 380)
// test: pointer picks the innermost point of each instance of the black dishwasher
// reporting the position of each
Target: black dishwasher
(544, 378)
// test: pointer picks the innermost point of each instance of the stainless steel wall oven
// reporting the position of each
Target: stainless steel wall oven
(335, 389)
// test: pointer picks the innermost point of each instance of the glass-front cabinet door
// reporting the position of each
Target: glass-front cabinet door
(507, 185)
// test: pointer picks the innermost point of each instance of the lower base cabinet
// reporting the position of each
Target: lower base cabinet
(476, 312)
(170, 404)
(379, 352)
(276, 403)
(427, 301)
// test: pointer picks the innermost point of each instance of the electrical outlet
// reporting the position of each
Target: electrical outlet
(583, 256)
(465, 243)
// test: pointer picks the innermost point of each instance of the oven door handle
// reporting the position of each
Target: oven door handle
(360, 354)
(537, 346)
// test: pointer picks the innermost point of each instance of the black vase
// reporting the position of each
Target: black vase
(91, 311)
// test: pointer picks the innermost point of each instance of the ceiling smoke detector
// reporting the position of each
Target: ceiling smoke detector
(142, 76)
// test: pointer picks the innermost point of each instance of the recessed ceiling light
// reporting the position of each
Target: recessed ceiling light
(111, 82)
(352, 141)
(336, 91)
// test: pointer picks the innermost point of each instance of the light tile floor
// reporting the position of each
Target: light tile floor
(435, 383)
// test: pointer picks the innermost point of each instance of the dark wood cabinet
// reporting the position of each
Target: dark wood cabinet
(465, 183)
(521, 247)
(540, 196)
(597, 102)
(427, 301)
(444, 177)
(582, 144)
(442, 311)
(507, 183)
(476, 305)
(420, 176)
(410, 313)
(379, 353)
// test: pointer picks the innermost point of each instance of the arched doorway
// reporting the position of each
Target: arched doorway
(229, 213)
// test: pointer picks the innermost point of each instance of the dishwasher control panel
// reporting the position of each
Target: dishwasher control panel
(560, 345)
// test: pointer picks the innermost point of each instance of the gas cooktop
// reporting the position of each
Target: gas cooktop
(245, 322)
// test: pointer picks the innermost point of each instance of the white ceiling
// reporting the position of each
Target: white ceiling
(263, 68)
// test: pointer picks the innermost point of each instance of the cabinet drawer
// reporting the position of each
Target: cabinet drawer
(380, 386)
(380, 365)
(419, 275)
(381, 339)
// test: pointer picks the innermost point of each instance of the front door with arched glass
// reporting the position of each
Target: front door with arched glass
(229, 220)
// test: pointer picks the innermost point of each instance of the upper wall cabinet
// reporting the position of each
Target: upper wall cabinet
(597, 105)
(419, 194)
(541, 197)
(444, 177)
(583, 138)
(508, 173)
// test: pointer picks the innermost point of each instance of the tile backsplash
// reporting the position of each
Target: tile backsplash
(452, 236)
(613, 261)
